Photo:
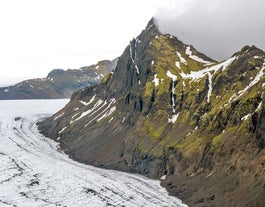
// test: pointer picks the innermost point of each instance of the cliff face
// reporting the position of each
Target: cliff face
(59, 83)
(168, 110)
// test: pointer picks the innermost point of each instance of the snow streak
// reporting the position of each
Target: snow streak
(194, 57)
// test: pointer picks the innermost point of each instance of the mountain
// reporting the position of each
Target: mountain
(59, 83)
(170, 112)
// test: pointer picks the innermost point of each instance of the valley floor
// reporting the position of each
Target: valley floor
(34, 172)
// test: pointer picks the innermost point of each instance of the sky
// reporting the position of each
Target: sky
(40, 35)
(217, 28)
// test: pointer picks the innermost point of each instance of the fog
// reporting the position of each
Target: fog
(217, 28)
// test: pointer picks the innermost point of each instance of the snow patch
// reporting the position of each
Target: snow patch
(6, 90)
(91, 111)
(210, 174)
(257, 78)
(61, 131)
(57, 117)
(156, 80)
(194, 75)
(89, 102)
(209, 86)
(123, 120)
(259, 107)
(182, 60)
(75, 115)
(245, 117)
(173, 119)
(76, 109)
(194, 57)
(108, 113)
(177, 63)
(163, 177)
(172, 76)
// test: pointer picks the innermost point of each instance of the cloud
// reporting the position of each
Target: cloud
(217, 28)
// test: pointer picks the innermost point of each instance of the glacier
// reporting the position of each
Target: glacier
(35, 172)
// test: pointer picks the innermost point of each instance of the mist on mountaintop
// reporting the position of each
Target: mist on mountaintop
(217, 28)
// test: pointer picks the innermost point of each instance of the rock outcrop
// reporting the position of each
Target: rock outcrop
(168, 111)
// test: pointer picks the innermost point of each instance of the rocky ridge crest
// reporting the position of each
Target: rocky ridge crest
(59, 83)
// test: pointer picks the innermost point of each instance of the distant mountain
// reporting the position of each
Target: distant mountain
(170, 112)
(59, 83)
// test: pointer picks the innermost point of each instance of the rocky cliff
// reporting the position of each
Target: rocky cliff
(59, 83)
(169, 112)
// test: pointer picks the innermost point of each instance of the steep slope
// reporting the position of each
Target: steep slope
(59, 83)
(168, 110)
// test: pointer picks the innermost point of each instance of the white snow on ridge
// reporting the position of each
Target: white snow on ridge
(195, 75)
(199, 74)
(182, 60)
(33, 173)
(194, 57)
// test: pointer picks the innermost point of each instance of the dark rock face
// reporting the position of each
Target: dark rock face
(59, 83)
(169, 110)
(258, 126)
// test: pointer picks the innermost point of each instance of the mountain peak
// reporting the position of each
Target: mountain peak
(151, 23)
(250, 50)
(167, 109)
(152, 26)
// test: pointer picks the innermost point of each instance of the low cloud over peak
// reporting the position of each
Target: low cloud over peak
(216, 27)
